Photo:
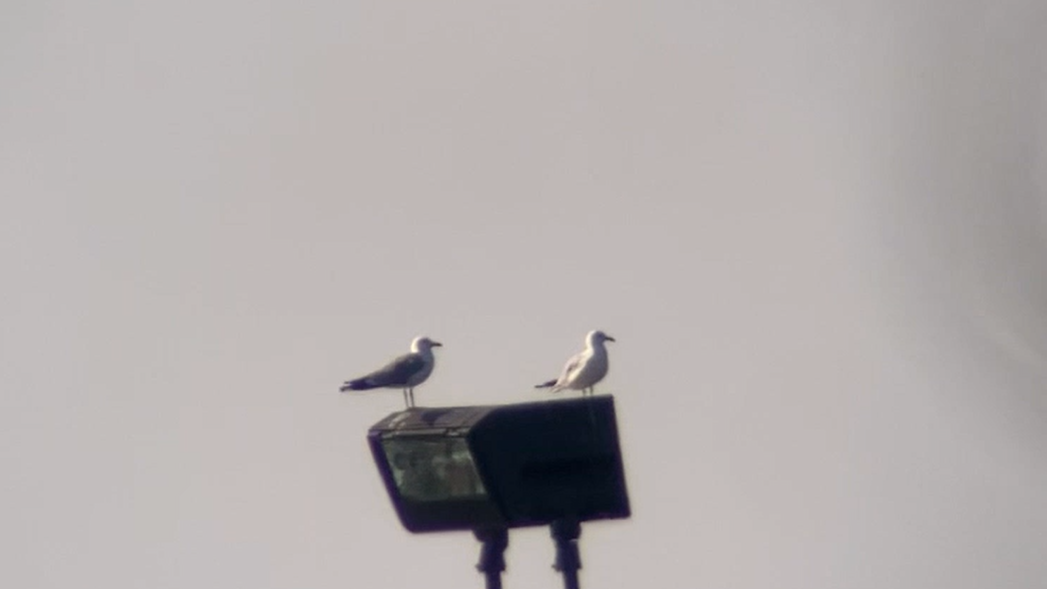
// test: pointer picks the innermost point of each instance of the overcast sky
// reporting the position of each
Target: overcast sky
(816, 229)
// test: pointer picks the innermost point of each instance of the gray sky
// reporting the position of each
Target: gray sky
(816, 230)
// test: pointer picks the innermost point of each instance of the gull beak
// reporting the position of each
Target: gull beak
(435, 344)
(609, 338)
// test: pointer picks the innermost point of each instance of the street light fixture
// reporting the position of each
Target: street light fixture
(492, 468)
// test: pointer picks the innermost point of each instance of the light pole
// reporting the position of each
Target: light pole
(492, 555)
(565, 533)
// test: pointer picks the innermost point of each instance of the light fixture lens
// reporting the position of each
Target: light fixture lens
(433, 469)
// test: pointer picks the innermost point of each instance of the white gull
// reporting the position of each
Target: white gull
(586, 368)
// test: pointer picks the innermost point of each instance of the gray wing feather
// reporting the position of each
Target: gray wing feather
(398, 371)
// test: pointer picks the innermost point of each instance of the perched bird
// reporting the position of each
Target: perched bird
(404, 372)
(586, 368)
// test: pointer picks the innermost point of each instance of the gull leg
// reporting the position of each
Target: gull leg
(405, 398)
(412, 396)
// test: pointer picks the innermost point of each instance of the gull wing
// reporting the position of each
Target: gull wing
(571, 369)
(394, 374)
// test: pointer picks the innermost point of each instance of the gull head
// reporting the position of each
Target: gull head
(423, 344)
(597, 337)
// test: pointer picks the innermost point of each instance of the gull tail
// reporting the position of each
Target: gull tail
(546, 384)
(360, 384)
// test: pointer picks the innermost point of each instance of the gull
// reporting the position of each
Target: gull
(404, 372)
(586, 368)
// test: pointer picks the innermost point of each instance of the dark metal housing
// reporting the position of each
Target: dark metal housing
(503, 466)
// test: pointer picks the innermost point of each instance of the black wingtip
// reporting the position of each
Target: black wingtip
(546, 384)
(359, 384)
